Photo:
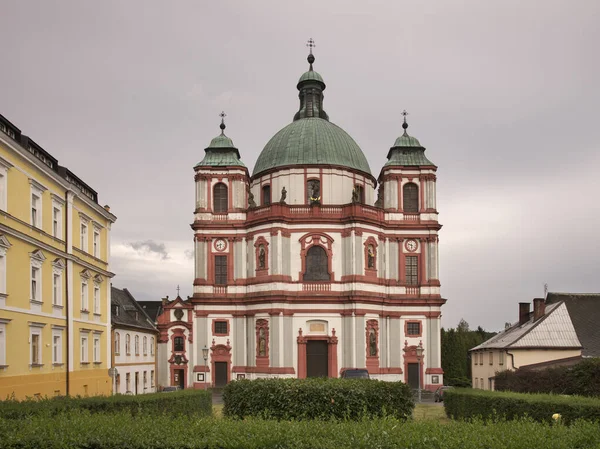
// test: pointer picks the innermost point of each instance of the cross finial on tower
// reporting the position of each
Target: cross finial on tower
(222, 126)
(404, 124)
(311, 58)
(177, 290)
(310, 44)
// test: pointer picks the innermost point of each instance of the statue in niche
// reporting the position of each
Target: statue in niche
(251, 202)
(283, 195)
(314, 191)
(262, 342)
(370, 256)
(372, 343)
(379, 202)
(261, 256)
(355, 195)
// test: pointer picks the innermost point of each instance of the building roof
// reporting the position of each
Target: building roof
(311, 141)
(584, 310)
(407, 150)
(553, 330)
(152, 308)
(221, 152)
(311, 75)
(127, 312)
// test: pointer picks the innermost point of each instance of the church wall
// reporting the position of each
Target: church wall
(359, 257)
(162, 354)
(347, 342)
(251, 341)
(239, 341)
(200, 260)
(201, 194)
(393, 271)
(383, 343)
(274, 254)
(395, 336)
(238, 259)
(346, 256)
(286, 256)
(360, 342)
(250, 258)
(390, 194)
(274, 343)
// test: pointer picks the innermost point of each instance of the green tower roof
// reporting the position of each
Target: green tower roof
(221, 152)
(311, 75)
(407, 150)
(311, 141)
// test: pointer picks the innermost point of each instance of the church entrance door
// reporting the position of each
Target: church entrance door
(413, 375)
(178, 379)
(220, 374)
(317, 358)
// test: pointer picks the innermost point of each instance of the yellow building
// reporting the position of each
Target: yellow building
(55, 318)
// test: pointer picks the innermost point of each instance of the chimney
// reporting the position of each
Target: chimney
(523, 312)
(539, 308)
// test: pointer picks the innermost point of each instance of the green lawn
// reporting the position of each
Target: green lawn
(423, 412)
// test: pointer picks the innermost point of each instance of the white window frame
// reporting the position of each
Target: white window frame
(36, 200)
(501, 358)
(117, 343)
(145, 345)
(84, 296)
(152, 346)
(5, 166)
(57, 348)
(35, 329)
(3, 338)
(84, 354)
(96, 349)
(96, 299)
(37, 259)
(151, 378)
(137, 345)
(96, 242)
(58, 267)
(127, 344)
(83, 236)
(4, 247)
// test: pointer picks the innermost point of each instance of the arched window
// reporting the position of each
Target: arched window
(117, 343)
(137, 345)
(410, 194)
(145, 345)
(266, 195)
(127, 344)
(358, 195)
(316, 264)
(220, 198)
(178, 344)
(152, 346)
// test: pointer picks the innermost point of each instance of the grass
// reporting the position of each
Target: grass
(423, 412)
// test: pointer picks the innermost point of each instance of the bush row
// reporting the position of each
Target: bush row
(468, 404)
(195, 402)
(119, 430)
(317, 398)
(582, 379)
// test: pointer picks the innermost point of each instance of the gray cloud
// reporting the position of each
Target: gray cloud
(189, 254)
(150, 246)
(503, 94)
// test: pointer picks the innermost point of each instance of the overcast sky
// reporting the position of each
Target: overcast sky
(504, 94)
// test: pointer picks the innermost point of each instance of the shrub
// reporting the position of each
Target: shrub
(582, 379)
(195, 402)
(121, 430)
(317, 399)
(468, 404)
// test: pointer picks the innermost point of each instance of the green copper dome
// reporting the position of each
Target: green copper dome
(311, 75)
(221, 141)
(406, 141)
(221, 152)
(311, 141)
(407, 151)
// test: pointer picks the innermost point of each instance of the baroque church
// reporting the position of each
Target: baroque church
(310, 265)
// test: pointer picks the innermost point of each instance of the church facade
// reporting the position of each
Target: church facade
(310, 265)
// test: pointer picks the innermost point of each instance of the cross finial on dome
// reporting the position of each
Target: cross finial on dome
(311, 58)
(404, 124)
(222, 126)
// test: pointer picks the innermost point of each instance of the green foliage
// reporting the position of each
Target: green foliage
(121, 430)
(317, 399)
(195, 402)
(469, 404)
(456, 361)
(582, 379)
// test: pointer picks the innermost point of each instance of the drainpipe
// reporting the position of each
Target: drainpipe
(67, 308)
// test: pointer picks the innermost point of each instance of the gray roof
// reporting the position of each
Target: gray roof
(553, 330)
(152, 308)
(584, 310)
(127, 306)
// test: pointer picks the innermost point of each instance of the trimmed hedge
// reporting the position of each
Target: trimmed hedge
(195, 402)
(121, 430)
(462, 403)
(581, 379)
(317, 398)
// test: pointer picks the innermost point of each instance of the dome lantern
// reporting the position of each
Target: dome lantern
(221, 152)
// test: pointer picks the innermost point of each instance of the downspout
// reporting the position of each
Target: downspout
(67, 234)
(512, 357)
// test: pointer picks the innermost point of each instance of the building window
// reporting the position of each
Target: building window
(152, 379)
(410, 195)
(145, 345)
(316, 264)
(96, 349)
(266, 195)
(56, 223)
(84, 237)
(96, 300)
(35, 284)
(36, 211)
(358, 194)
(96, 242)
(84, 350)
(152, 346)
(36, 346)
(127, 382)
(313, 191)
(117, 343)
(2, 343)
(4, 246)
(137, 345)
(481, 358)
(145, 379)
(220, 199)
(84, 296)
(55, 289)
(412, 270)
(501, 358)
(474, 356)
(127, 344)
(221, 327)
(491, 358)
(4, 167)
(413, 328)
(178, 344)
(221, 270)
